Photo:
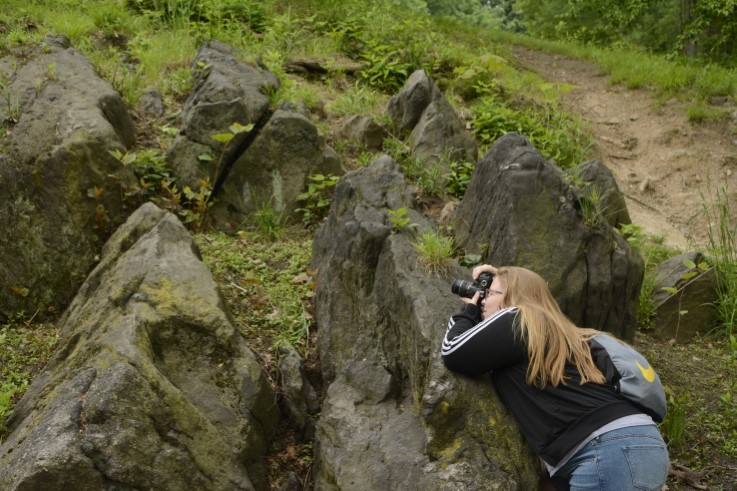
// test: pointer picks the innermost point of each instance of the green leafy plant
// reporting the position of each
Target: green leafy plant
(434, 250)
(151, 170)
(317, 198)
(458, 178)
(557, 135)
(384, 68)
(157, 184)
(226, 138)
(470, 260)
(674, 424)
(399, 220)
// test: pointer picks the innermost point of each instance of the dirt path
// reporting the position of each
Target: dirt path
(660, 160)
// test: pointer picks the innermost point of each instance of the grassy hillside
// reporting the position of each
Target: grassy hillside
(368, 50)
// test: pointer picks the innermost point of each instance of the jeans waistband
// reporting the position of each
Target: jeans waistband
(643, 431)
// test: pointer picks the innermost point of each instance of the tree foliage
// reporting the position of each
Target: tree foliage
(692, 27)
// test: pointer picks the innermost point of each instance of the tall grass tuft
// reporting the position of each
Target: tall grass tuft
(434, 250)
(722, 251)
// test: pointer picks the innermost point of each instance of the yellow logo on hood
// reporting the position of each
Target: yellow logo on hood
(648, 372)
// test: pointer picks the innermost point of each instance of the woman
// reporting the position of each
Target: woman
(587, 435)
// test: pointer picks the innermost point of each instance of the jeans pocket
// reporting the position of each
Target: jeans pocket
(648, 465)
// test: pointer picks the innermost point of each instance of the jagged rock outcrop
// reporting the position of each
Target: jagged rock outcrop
(63, 191)
(437, 132)
(518, 210)
(274, 169)
(226, 91)
(364, 130)
(394, 417)
(268, 164)
(689, 312)
(300, 398)
(151, 387)
(597, 180)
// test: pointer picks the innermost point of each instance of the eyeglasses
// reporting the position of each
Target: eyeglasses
(495, 291)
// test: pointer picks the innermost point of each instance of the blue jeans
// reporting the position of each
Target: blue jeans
(633, 458)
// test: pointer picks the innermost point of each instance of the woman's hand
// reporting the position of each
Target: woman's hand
(484, 268)
(474, 300)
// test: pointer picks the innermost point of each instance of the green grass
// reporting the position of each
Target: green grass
(434, 251)
(686, 80)
(25, 347)
(268, 286)
(722, 253)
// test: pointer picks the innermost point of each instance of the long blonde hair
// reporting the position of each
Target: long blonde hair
(552, 339)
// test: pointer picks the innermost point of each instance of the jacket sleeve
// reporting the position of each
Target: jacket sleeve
(474, 348)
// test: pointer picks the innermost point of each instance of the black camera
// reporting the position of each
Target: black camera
(465, 288)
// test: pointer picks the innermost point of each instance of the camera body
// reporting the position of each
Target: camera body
(465, 288)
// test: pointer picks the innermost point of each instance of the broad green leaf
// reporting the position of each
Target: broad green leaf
(222, 137)
(236, 128)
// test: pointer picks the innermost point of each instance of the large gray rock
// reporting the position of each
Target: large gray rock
(274, 169)
(152, 386)
(226, 91)
(63, 192)
(394, 416)
(364, 130)
(299, 396)
(597, 179)
(689, 312)
(519, 211)
(438, 133)
(406, 108)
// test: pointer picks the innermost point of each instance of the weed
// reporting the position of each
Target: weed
(268, 223)
(317, 198)
(434, 251)
(470, 260)
(592, 207)
(357, 99)
(12, 107)
(399, 220)
(651, 248)
(557, 135)
(267, 284)
(458, 178)
(151, 170)
(646, 304)
(384, 68)
(51, 72)
(674, 424)
(365, 158)
(722, 252)
(25, 348)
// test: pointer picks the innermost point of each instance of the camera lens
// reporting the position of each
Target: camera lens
(463, 288)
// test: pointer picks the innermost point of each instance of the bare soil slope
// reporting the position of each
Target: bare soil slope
(660, 159)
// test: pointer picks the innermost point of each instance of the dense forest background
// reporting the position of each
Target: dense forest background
(704, 28)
